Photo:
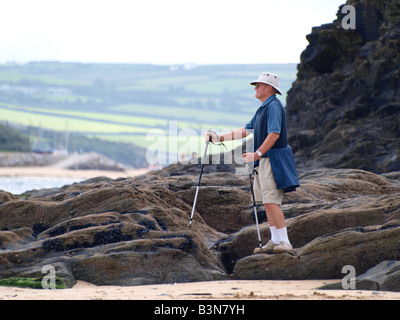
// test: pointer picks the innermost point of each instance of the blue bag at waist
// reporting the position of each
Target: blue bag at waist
(283, 168)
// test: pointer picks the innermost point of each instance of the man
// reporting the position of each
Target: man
(269, 125)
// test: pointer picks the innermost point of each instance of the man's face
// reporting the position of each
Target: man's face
(262, 91)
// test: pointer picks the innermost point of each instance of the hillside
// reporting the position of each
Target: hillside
(127, 102)
(12, 140)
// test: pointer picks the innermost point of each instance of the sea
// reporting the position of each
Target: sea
(19, 185)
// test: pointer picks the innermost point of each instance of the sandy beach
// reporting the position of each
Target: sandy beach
(215, 290)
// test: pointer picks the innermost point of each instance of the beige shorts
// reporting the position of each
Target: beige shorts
(265, 189)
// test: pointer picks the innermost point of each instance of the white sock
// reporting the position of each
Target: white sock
(274, 235)
(283, 235)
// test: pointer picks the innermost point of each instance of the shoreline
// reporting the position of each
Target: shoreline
(210, 290)
(57, 172)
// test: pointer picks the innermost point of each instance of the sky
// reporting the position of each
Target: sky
(162, 32)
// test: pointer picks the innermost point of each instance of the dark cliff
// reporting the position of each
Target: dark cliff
(344, 107)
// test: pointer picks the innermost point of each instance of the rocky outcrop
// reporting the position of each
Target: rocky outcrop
(324, 257)
(336, 217)
(344, 108)
(24, 159)
(90, 161)
(123, 232)
(85, 161)
(136, 230)
(385, 276)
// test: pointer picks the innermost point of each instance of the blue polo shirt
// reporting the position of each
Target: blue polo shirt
(270, 117)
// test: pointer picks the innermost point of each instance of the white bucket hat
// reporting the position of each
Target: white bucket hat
(268, 78)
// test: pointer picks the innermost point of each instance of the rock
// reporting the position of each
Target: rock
(343, 109)
(364, 284)
(175, 258)
(384, 276)
(221, 207)
(90, 161)
(62, 270)
(136, 231)
(327, 202)
(108, 232)
(85, 161)
(23, 159)
(324, 257)
(6, 196)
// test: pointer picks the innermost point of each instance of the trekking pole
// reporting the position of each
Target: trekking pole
(254, 206)
(198, 182)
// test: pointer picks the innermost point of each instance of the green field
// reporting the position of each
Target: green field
(129, 103)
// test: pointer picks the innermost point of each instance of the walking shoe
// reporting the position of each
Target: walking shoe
(268, 248)
(283, 247)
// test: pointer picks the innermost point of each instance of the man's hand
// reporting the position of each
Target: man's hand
(213, 135)
(250, 157)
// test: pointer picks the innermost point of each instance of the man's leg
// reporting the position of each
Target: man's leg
(276, 221)
(272, 223)
(275, 215)
(265, 190)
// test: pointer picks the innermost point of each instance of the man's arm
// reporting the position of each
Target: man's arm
(233, 135)
(266, 145)
(268, 142)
